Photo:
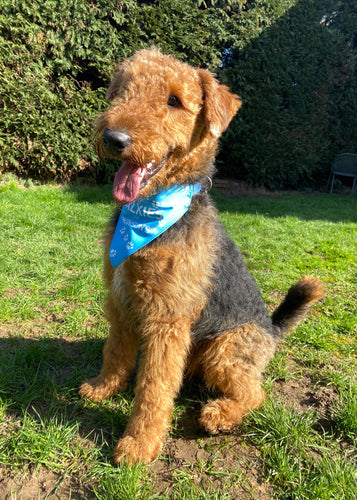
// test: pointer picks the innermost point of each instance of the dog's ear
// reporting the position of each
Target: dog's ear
(219, 104)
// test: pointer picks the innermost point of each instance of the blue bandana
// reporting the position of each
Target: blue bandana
(144, 219)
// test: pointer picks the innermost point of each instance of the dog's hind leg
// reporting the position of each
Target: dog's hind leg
(119, 357)
(232, 364)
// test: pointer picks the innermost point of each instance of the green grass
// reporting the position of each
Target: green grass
(301, 444)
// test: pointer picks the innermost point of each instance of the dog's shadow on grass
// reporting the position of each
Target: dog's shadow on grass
(41, 377)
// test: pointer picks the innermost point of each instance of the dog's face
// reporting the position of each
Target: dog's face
(163, 123)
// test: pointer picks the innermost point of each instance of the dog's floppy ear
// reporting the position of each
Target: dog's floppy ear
(219, 104)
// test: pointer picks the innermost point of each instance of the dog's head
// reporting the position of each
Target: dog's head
(163, 123)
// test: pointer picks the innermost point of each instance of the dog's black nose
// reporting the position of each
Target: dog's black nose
(115, 141)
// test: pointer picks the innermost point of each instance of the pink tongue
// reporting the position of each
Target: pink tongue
(127, 182)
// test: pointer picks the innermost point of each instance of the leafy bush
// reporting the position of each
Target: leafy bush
(298, 86)
(291, 61)
(56, 57)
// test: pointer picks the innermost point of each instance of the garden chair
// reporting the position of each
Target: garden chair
(344, 164)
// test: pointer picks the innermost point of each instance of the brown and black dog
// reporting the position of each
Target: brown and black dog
(187, 296)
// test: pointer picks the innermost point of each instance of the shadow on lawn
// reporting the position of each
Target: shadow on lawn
(309, 207)
(42, 377)
(305, 206)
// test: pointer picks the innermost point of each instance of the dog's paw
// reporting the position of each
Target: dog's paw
(130, 451)
(97, 389)
(221, 416)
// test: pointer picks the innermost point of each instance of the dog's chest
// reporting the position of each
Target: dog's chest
(136, 280)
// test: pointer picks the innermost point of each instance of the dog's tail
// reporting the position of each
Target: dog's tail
(297, 303)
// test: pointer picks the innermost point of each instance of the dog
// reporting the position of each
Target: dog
(176, 282)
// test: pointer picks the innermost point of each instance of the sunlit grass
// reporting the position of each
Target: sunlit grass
(52, 331)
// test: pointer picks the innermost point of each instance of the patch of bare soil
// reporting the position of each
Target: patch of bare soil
(223, 463)
(303, 394)
(38, 485)
(230, 188)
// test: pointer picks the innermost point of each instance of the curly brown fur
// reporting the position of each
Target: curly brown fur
(187, 296)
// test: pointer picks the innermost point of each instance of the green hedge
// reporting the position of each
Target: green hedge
(291, 61)
(56, 58)
(298, 83)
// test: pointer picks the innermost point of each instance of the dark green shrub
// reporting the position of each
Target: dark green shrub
(56, 58)
(298, 85)
(291, 61)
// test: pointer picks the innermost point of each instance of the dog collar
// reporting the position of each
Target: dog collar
(144, 219)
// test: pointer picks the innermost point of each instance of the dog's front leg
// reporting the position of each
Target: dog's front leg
(160, 376)
(119, 357)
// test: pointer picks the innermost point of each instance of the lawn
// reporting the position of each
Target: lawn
(300, 445)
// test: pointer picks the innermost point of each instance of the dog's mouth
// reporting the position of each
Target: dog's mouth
(132, 177)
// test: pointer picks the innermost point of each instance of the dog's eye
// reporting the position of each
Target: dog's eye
(173, 101)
